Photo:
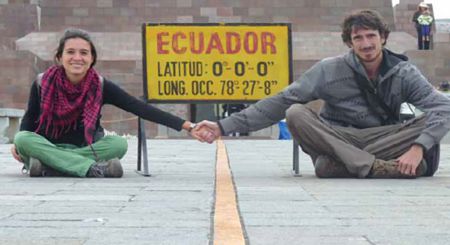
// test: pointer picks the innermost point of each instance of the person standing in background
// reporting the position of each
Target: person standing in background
(425, 20)
(420, 9)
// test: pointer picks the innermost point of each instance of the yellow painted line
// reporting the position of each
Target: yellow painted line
(227, 225)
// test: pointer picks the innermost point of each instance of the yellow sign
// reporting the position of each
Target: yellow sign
(215, 62)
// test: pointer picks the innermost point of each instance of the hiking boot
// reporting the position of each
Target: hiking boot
(327, 168)
(388, 169)
(37, 169)
(109, 169)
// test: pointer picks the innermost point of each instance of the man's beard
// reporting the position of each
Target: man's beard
(362, 56)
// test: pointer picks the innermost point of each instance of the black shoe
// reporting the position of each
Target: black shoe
(327, 168)
(110, 169)
(37, 169)
(421, 170)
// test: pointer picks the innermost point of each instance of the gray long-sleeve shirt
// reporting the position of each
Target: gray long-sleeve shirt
(333, 80)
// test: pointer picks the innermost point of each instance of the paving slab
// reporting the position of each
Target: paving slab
(176, 204)
(277, 208)
(173, 206)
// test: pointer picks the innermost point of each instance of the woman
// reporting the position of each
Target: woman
(60, 131)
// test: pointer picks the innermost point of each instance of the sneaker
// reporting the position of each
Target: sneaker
(327, 168)
(37, 169)
(109, 169)
(388, 169)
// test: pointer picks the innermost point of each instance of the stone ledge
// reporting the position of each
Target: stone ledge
(10, 112)
(9, 123)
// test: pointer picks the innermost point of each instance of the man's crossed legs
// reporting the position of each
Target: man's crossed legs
(351, 152)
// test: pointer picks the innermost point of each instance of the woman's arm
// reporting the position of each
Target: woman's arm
(29, 120)
(113, 94)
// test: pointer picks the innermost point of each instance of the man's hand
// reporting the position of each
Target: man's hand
(202, 134)
(15, 154)
(208, 131)
(408, 162)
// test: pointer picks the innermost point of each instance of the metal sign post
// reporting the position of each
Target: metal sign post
(142, 150)
(295, 158)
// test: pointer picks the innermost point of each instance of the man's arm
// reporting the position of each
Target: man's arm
(422, 95)
(271, 110)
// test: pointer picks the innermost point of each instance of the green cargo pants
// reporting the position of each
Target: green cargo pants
(67, 158)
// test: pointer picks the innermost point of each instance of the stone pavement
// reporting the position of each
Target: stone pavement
(176, 204)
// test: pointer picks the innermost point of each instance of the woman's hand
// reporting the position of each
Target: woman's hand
(15, 154)
(210, 131)
(203, 134)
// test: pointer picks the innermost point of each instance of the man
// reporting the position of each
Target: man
(358, 132)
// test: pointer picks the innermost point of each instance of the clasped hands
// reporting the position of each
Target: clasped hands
(206, 131)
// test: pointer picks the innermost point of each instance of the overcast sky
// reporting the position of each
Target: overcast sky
(441, 8)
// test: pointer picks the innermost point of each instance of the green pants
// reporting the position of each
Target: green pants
(67, 158)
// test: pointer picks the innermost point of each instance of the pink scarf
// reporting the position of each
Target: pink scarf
(62, 103)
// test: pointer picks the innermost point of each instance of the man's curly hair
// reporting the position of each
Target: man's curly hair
(364, 19)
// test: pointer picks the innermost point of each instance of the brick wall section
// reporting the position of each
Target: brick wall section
(403, 13)
(17, 71)
(435, 64)
(123, 15)
(17, 18)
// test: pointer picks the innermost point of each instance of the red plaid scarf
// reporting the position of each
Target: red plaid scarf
(62, 103)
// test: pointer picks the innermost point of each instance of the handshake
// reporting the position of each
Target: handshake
(206, 131)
